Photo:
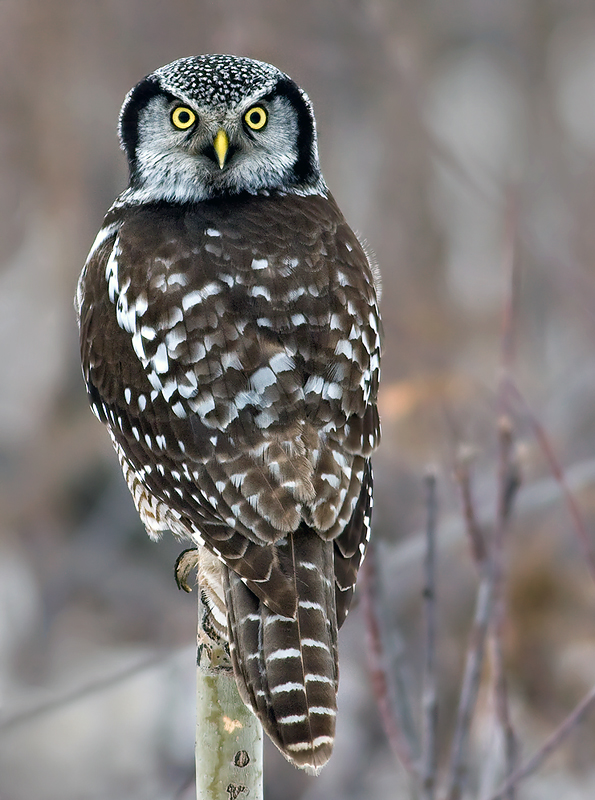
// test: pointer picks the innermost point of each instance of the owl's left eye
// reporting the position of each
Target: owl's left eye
(183, 117)
(256, 118)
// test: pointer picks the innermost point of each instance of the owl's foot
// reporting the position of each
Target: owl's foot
(213, 647)
(186, 562)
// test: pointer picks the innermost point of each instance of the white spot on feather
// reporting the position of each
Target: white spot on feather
(177, 277)
(315, 384)
(262, 378)
(290, 686)
(292, 719)
(148, 333)
(179, 410)
(160, 360)
(198, 295)
(260, 291)
(344, 347)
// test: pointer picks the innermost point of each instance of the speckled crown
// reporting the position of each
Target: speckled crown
(217, 79)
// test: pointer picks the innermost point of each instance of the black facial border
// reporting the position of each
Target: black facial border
(305, 169)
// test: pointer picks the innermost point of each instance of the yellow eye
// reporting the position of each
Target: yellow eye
(256, 118)
(183, 117)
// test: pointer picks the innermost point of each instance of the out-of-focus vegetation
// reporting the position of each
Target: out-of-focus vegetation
(444, 125)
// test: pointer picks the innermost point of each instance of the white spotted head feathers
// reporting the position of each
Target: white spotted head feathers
(245, 127)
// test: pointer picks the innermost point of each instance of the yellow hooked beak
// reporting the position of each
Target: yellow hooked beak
(221, 145)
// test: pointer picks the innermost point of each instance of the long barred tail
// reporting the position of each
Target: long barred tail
(287, 668)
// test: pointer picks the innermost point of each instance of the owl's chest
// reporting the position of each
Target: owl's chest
(221, 274)
(207, 300)
(229, 319)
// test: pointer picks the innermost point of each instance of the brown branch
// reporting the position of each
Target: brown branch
(82, 693)
(510, 267)
(429, 697)
(548, 747)
(476, 648)
(508, 483)
(396, 717)
(470, 687)
(188, 782)
(475, 534)
(558, 474)
(538, 496)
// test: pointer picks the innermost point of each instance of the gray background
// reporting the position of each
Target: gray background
(444, 125)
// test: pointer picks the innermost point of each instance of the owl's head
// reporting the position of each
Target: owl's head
(215, 125)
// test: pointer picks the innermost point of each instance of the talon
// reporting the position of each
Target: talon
(185, 563)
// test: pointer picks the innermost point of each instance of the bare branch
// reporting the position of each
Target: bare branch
(537, 496)
(510, 267)
(556, 469)
(469, 687)
(430, 698)
(548, 747)
(473, 529)
(396, 717)
(188, 783)
(508, 483)
(476, 649)
(95, 687)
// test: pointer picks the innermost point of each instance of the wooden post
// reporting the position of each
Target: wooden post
(228, 735)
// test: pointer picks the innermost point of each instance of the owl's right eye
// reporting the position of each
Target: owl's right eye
(183, 118)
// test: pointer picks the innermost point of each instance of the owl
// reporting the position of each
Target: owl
(230, 342)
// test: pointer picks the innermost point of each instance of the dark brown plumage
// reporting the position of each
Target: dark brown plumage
(231, 345)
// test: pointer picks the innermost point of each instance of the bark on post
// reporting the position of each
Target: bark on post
(228, 735)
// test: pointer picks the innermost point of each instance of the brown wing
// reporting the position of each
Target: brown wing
(233, 349)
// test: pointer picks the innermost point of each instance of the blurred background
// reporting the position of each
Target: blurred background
(452, 133)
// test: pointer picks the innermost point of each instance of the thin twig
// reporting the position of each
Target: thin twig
(510, 267)
(548, 747)
(84, 692)
(188, 783)
(536, 497)
(508, 485)
(474, 531)
(470, 687)
(430, 698)
(556, 469)
(476, 648)
(507, 478)
(480, 180)
(397, 718)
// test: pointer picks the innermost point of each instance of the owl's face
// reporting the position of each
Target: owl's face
(211, 126)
